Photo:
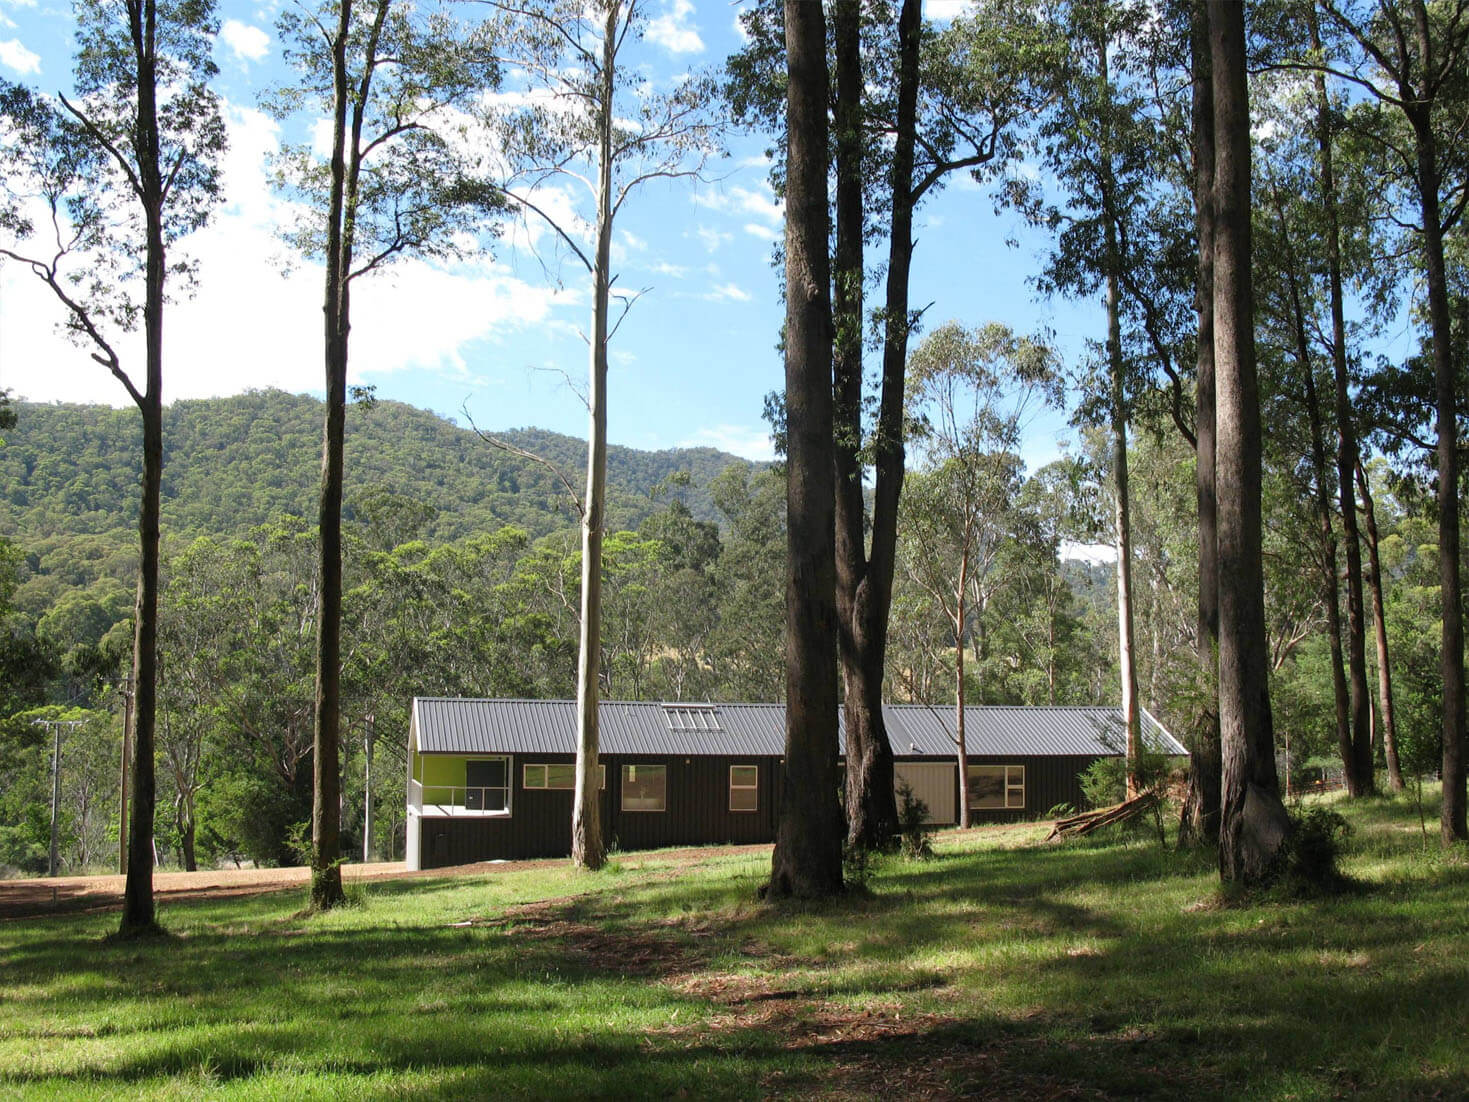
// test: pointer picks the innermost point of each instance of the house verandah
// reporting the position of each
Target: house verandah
(492, 779)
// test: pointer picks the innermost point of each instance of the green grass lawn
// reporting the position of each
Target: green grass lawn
(1003, 967)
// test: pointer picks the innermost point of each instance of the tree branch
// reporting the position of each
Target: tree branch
(524, 453)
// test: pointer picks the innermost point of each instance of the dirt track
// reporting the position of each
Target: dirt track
(78, 894)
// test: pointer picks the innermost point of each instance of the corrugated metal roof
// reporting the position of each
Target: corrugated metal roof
(459, 726)
(999, 730)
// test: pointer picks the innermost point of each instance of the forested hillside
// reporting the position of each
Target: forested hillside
(234, 463)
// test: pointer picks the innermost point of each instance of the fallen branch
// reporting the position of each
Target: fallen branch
(1077, 826)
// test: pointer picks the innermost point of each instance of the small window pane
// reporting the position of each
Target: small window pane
(744, 788)
(1015, 786)
(559, 776)
(644, 787)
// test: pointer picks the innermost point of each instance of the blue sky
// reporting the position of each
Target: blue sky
(690, 366)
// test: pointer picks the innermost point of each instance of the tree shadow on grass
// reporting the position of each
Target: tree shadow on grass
(611, 993)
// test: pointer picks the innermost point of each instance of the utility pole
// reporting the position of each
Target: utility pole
(367, 794)
(127, 746)
(56, 726)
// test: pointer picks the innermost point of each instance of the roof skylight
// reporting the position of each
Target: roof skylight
(691, 717)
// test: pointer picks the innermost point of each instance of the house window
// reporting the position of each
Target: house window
(644, 788)
(558, 776)
(487, 784)
(996, 786)
(744, 788)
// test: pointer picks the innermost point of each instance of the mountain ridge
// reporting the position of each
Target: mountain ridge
(233, 463)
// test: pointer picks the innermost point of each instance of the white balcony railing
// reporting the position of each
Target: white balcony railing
(451, 799)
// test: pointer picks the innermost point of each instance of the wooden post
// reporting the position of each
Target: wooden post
(127, 744)
(367, 795)
(55, 863)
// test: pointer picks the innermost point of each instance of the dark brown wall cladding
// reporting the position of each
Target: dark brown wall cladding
(696, 813)
(697, 805)
(1049, 782)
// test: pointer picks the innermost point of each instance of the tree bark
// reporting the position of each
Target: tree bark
(326, 875)
(1330, 589)
(1379, 631)
(865, 584)
(1360, 779)
(1126, 643)
(1253, 823)
(587, 848)
(1453, 825)
(1200, 818)
(961, 742)
(807, 860)
(137, 909)
(137, 906)
(862, 705)
(1117, 380)
(183, 818)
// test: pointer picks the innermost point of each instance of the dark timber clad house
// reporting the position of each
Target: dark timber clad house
(492, 779)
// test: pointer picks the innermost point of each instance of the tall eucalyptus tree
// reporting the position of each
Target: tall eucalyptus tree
(1411, 57)
(1102, 140)
(100, 187)
(807, 860)
(910, 106)
(1253, 823)
(1200, 815)
(586, 117)
(973, 391)
(386, 76)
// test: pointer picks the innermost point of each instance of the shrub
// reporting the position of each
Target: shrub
(1104, 782)
(915, 836)
(1309, 859)
(858, 865)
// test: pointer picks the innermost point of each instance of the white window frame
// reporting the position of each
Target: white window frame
(733, 788)
(1012, 783)
(622, 800)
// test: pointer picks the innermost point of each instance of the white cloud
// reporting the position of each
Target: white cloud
(742, 200)
(248, 43)
(256, 322)
(14, 56)
(946, 9)
(674, 31)
(743, 440)
(632, 241)
(712, 239)
(764, 233)
(321, 138)
(673, 271)
(533, 233)
(727, 292)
